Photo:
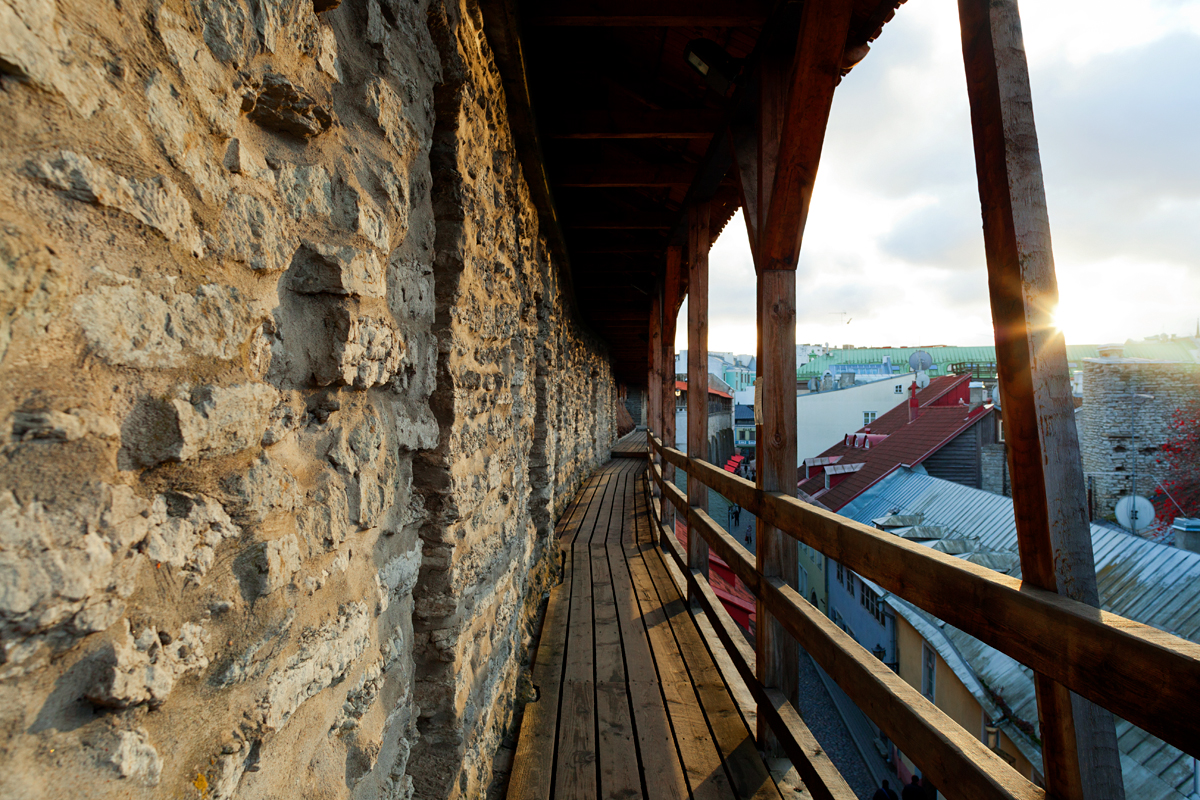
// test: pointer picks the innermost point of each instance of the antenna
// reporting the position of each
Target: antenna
(920, 361)
(1135, 512)
(842, 314)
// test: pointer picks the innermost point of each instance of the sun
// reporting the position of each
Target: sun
(1069, 320)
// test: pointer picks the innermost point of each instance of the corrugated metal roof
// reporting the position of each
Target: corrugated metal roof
(898, 520)
(919, 532)
(1137, 578)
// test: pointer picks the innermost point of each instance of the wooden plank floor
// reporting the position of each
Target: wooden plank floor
(631, 445)
(630, 703)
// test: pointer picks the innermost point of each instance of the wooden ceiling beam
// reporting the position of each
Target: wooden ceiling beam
(601, 221)
(651, 14)
(622, 176)
(805, 116)
(649, 124)
(584, 243)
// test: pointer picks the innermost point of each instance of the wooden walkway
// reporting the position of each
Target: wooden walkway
(631, 703)
(631, 445)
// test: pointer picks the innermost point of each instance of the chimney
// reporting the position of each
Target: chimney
(979, 395)
(912, 403)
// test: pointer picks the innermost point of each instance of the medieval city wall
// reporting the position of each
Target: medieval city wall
(1106, 423)
(291, 398)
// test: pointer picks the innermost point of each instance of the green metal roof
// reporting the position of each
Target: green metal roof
(943, 357)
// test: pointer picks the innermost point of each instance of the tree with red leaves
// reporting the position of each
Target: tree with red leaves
(1181, 457)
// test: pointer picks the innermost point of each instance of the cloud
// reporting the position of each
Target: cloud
(894, 236)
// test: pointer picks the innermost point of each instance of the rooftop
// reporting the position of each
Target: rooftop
(1138, 579)
(940, 418)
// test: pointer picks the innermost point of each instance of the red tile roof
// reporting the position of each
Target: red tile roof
(940, 419)
(681, 386)
(738, 600)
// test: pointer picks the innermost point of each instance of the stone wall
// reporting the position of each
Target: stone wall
(994, 465)
(291, 396)
(1105, 419)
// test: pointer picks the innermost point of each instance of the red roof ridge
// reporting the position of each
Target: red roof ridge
(945, 390)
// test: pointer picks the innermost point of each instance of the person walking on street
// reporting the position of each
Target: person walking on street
(737, 515)
(884, 793)
(914, 791)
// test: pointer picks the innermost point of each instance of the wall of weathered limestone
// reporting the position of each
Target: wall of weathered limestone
(291, 398)
(1106, 441)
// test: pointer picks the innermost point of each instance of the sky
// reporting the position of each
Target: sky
(894, 237)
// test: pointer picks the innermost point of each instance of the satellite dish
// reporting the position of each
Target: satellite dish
(920, 361)
(922, 379)
(996, 395)
(1135, 512)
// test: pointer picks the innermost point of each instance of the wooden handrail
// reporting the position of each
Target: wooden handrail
(1140, 673)
(946, 753)
(821, 777)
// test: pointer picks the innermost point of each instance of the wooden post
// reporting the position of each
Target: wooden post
(1079, 742)
(795, 94)
(697, 405)
(654, 387)
(777, 554)
(670, 313)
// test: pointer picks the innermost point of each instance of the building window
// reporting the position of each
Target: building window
(928, 672)
(839, 573)
(868, 417)
(898, 389)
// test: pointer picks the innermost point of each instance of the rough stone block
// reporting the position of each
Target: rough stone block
(365, 350)
(360, 215)
(156, 202)
(177, 131)
(127, 325)
(283, 107)
(266, 488)
(206, 78)
(253, 231)
(386, 108)
(221, 420)
(323, 659)
(324, 521)
(186, 530)
(144, 670)
(286, 416)
(241, 159)
(305, 190)
(329, 269)
(283, 561)
(60, 426)
(133, 756)
(33, 48)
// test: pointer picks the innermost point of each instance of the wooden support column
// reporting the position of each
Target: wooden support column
(654, 384)
(697, 405)
(670, 313)
(795, 95)
(1079, 742)
(777, 554)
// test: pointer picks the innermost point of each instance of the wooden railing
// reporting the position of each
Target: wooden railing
(1140, 673)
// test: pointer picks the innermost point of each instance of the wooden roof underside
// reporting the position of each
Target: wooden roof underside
(617, 134)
